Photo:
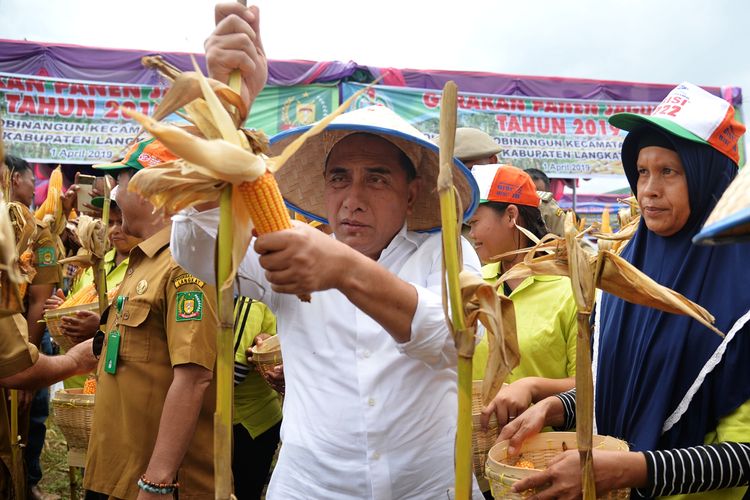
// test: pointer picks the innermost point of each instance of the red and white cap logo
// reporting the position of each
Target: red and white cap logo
(706, 116)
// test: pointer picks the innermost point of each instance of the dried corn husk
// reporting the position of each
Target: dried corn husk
(482, 303)
(207, 165)
(92, 234)
(158, 63)
(606, 227)
(616, 276)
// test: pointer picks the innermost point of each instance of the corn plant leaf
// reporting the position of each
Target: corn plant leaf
(186, 88)
(482, 303)
(218, 158)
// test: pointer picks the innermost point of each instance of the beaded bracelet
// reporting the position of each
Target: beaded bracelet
(157, 488)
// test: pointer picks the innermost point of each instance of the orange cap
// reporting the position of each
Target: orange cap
(505, 184)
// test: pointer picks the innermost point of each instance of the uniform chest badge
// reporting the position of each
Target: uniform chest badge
(141, 287)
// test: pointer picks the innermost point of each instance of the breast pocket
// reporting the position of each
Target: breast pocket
(134, 331)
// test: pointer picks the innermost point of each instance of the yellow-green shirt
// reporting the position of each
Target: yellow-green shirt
(115, 275)
(546, 327)
(256, 405)
(734, 427)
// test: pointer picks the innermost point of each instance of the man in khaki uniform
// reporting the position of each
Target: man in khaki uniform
(474, 147)
(34, 407)
(151, 420)
(23, 367)
(552, 214)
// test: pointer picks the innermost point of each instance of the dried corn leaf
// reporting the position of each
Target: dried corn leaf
(92, 233)
(158, 63)
(186, 88)
(175, 186)
(615, 276)
(221, 117)
(582, 271)
(216, 158)
(482, 303)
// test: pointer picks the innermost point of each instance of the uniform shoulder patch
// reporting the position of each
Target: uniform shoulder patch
(46, 256)
(189, 306)
(545, 195)
(186, 279)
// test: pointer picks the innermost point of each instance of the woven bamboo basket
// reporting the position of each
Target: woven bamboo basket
(74, 414)
(54, 322)
(539, 450)
(267, 355)
(481, 442)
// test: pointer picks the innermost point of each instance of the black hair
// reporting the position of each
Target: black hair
(530, 217)
(538, 175)
(16, 164)
(403, 160)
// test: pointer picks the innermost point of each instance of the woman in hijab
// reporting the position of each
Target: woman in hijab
(677, 393)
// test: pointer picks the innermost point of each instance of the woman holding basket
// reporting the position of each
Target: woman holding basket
(675, 391)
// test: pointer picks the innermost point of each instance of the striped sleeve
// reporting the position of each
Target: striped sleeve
(696, 469)
(568, 399)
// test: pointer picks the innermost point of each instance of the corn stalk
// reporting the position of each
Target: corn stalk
(100, 273)
(224, 348)
(582, 281)
(453, 265)
(18, 473)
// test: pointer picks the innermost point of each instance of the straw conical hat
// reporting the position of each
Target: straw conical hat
(301, 178)
(730, 220)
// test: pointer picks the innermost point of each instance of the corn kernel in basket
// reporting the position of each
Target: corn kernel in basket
(89, 387)
(525, 464)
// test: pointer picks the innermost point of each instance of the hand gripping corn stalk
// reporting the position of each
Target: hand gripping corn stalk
(609, 272)
(219, 161)
(470, 299)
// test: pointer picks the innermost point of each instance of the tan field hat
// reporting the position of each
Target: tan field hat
(302, 183)
(472, 143)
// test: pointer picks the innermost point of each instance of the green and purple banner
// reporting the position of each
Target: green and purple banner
(564, 138)
(62, 121)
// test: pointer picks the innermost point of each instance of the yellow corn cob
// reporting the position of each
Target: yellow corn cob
(265, 204)
(54, 188)
(86, 295)
(89, 387)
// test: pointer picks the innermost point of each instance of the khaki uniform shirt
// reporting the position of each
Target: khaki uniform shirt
(45, 257)
(168, 319)
(16, 355)
(552, 214)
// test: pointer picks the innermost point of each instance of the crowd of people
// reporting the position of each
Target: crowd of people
(369, 364)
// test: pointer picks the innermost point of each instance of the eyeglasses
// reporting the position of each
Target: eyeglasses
(97, 343)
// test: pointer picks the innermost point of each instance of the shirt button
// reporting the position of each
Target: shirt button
(371, 402)
(125, 315)
(366, 353)
(130, 272)
(376, 455)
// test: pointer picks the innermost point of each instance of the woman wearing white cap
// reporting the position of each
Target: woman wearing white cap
(675, 391)
(544, 305)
